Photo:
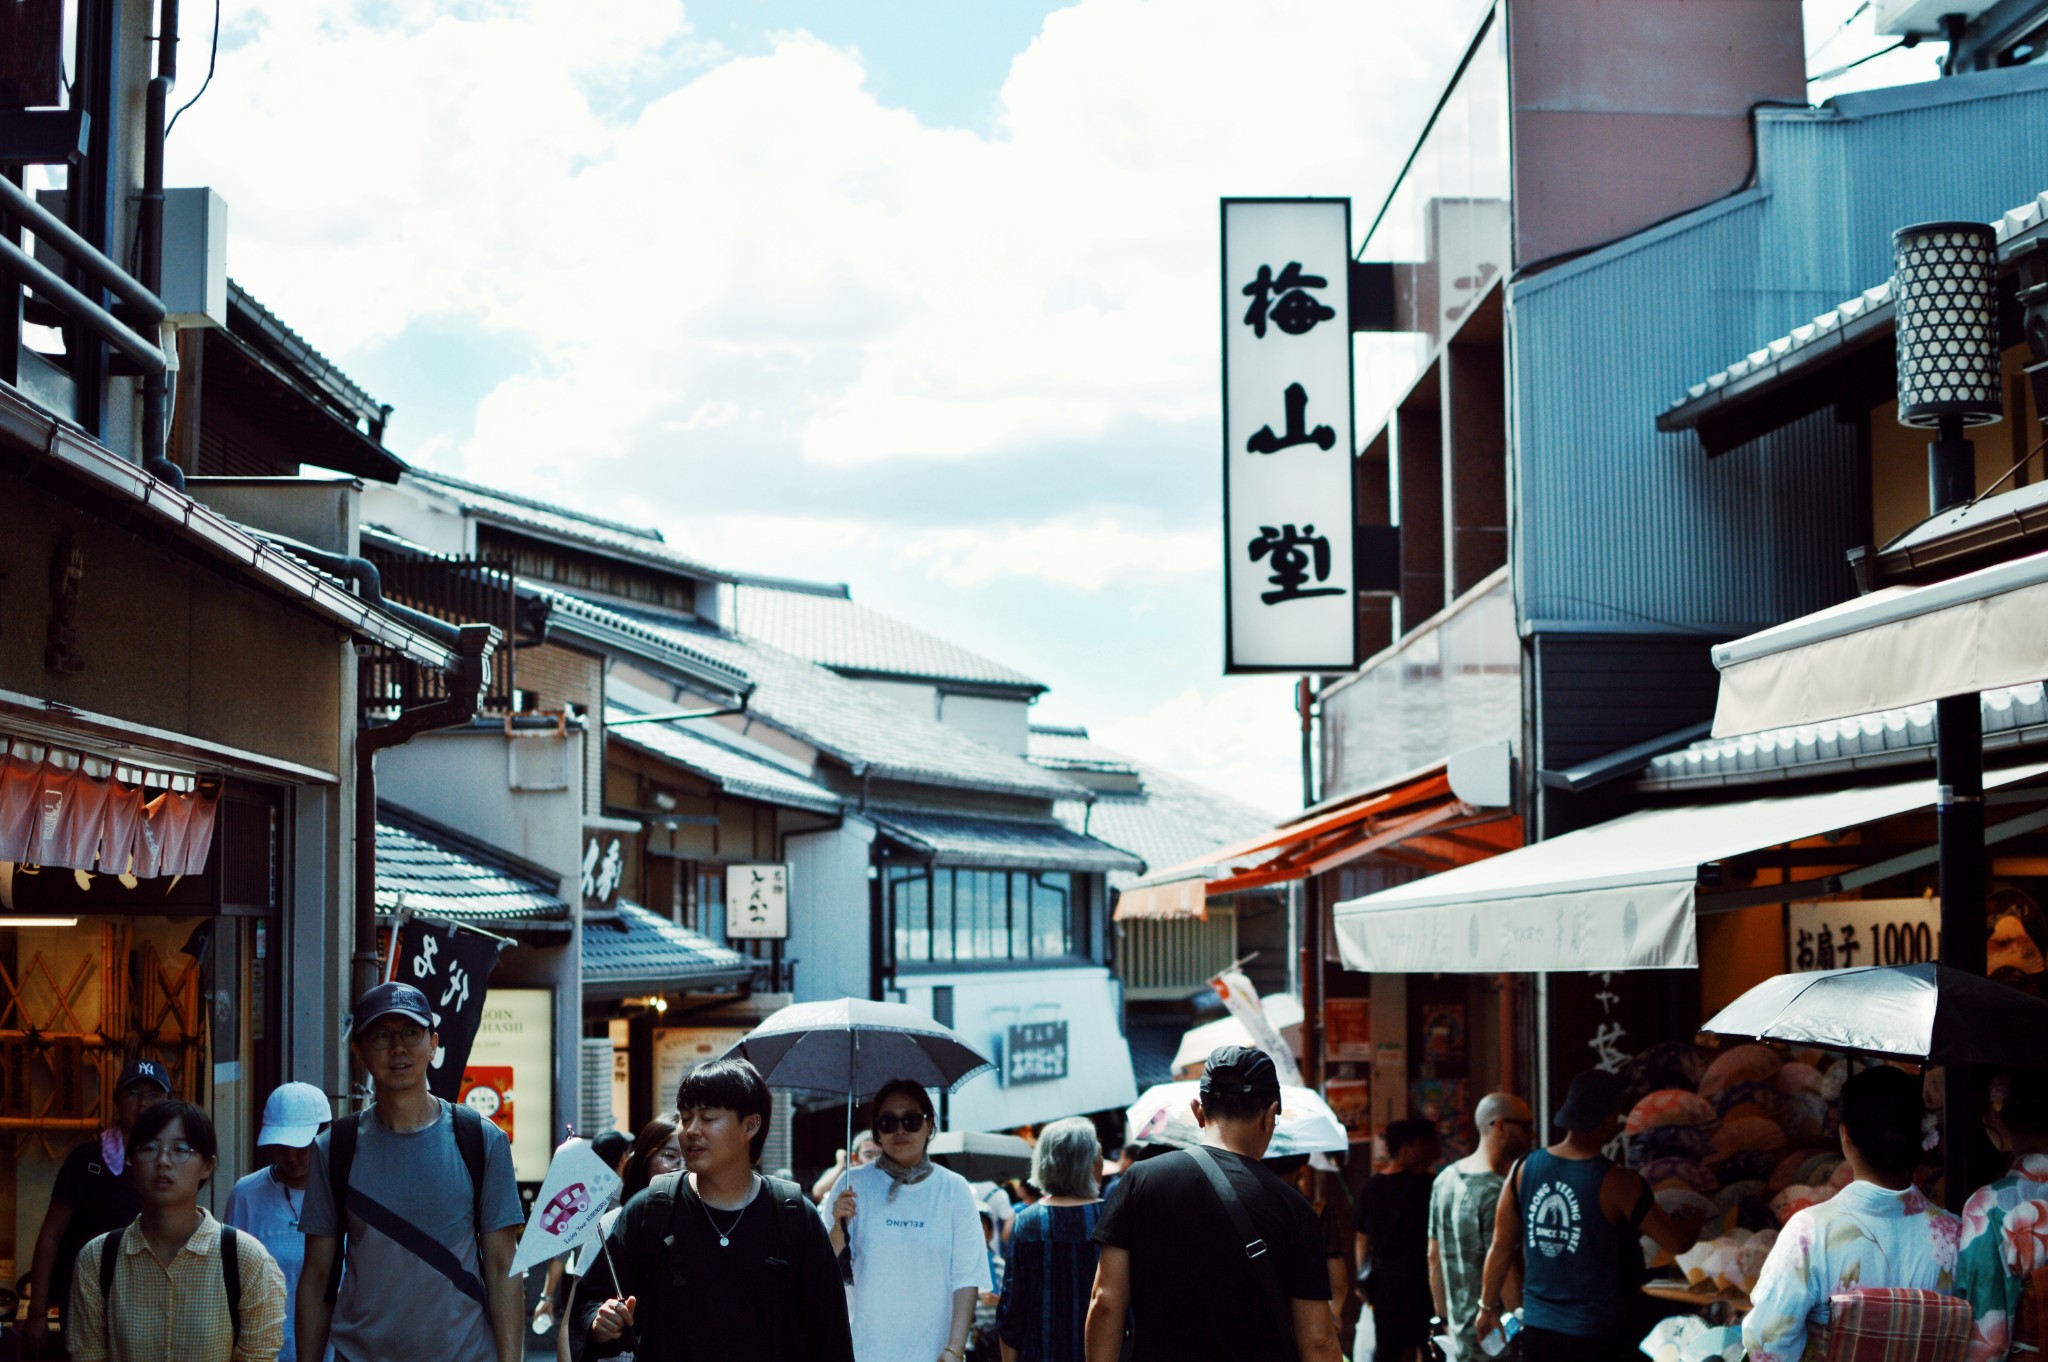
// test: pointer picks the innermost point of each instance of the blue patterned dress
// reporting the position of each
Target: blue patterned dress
(1051, 1274)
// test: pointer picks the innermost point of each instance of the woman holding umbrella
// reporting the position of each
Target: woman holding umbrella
(910, 1233)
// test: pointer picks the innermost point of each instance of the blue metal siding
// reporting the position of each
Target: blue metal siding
(1619, 524)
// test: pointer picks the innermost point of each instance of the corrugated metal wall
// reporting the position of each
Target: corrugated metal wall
(1617, 523)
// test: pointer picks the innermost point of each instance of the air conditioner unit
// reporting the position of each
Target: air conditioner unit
(1902, 17)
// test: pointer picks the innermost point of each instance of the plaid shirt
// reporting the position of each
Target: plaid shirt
(176, 1312)
(1893, 1324)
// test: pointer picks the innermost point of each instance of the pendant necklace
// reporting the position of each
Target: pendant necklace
(725, 1235)
(290, 1209)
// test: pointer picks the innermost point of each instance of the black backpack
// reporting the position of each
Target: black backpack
(469, 1142)
(230, 1279)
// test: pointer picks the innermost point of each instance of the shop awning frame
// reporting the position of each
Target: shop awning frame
(1623, 894)
(1418, 819)
(1900, 646)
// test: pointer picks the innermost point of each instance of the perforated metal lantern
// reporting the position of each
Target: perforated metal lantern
(1945, 300)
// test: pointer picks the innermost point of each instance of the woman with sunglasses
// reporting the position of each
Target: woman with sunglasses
(909, 1232)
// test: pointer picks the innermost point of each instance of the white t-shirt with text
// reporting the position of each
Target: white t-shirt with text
(909, 1256)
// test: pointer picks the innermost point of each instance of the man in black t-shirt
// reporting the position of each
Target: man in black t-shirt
(91, 1197)
(1174, 1260)
(718, 1261)
(1393, 1230)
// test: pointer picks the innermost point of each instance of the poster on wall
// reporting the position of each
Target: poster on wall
(1347, 1029)
(2016, 939)
(1444, 1101)
(757, 902)
(1289, 586)
(510, 1077)
(1351, 1101)
(679, 1049)
(1443, 1034)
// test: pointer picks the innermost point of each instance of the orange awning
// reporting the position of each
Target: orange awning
(1416, 820)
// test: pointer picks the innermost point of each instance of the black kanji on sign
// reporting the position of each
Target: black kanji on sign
(1293, 556)
(1264, 441)
(1285, 301)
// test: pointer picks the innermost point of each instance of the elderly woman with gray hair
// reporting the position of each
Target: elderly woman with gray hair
(1052, 1249)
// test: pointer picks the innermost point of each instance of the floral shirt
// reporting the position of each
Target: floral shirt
(2005, 1254)
(1865, 1237)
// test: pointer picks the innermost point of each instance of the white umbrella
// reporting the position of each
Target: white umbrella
(1306, 1126)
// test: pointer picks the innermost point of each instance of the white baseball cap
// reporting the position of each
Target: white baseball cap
(294, 1115)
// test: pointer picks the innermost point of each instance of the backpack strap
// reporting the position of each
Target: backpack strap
(231, 1278)
(1255, 1248)
(110, 1254)
(469, 1142)
(341, 1157)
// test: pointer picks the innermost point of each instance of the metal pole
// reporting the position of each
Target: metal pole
(1959, 810)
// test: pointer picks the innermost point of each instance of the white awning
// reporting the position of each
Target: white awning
(1896, 647)
(1617, 896)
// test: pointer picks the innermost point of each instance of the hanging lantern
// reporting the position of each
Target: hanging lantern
(1945, 300)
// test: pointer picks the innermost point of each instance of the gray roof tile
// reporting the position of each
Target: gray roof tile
(977, 841)
(645, 949)
(1170, 822)
(635, 541)
(857, 726)
(444, 876)
(735, 772)
(832, 628)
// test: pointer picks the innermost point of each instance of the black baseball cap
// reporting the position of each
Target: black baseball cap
(143, 1071)
(1593, 1096)
(391, 1000)
(1239, 1070)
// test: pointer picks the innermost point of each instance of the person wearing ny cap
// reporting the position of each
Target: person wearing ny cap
(270, 1202)
(425, 1215)
(91, 1196)
(1573, 1217)
(1174, 1261)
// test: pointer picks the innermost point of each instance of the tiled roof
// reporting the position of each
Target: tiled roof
(977, 841)
(636, 541)
(317, 367)
(735, 772)
(2014, 716)
(1871, 309)
(639, 949)
(828, 626)
(1170, 822)
(857, 726)
(441, 874)
(611, 625)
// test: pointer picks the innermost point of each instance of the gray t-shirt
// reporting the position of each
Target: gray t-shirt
(394, 1306)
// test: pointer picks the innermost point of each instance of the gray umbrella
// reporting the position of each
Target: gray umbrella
(1926, 1012)
(854, 1046)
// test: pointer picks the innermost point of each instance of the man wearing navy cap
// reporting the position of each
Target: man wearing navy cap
(1207, 1251)
(90, 1196)
(416, 1196)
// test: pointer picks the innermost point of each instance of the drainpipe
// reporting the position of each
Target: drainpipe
(466, 680)
(156, 384)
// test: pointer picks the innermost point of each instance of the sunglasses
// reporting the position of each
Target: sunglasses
(910, 1123)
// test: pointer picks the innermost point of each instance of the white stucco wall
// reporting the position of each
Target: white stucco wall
(462, 779)
(1003, 724)
(987, 1003)
(829, 909)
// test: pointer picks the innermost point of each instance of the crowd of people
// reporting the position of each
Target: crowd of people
(387, 1235)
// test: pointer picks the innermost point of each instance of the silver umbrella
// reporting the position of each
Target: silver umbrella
(1927, 1012)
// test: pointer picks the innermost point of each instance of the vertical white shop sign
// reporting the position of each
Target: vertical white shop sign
(1288, 465)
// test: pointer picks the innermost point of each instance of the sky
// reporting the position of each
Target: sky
(917, 295)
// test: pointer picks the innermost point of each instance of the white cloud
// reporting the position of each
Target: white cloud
(768, 237)
(1081, 553)
(1239, 735)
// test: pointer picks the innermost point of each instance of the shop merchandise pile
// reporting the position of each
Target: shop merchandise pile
(1748, 1137)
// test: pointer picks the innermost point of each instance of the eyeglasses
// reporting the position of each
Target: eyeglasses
(177, 1155)
(396, 1037)
(910, 1122)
